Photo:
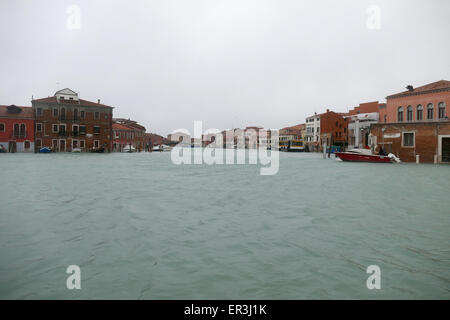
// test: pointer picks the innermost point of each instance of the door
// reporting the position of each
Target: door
(445, 149)
(62, 145)
(12, 147)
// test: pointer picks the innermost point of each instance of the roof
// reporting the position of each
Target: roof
(85, 103)
(26, 113)
(118, 126)
(441, 85)
(301, 126)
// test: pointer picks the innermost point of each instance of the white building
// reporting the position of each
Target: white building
(358, 129)
(312, 135)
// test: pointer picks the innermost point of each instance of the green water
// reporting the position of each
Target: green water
(141, 227)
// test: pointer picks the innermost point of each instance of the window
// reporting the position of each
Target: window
(82, 114)
(27, 145)
(430, 109)
(16, 130)
(96, 143)
(82, 129)
(408, 139)
(75, 130)
(441, 108)
(2, 127)
(419, 116)
(55, 128)
(81, 143)
(96, 130)
(55, 112)
(74, 144)
(39, 112)
(63, 114)
(97, 115)
(400, 114)
(38, 142)
(409, 114)
(62, 129)
(75, 114)
(22, 130)
(38, 127)
(385, 118)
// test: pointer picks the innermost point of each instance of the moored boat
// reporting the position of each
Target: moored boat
(365, 155)
(45, 150)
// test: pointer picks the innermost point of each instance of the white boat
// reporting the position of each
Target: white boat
(162, 147)
(76, 150)
(128, 149)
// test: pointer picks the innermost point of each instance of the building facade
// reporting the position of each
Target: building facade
(312, 134)
(333, 129)
(16, 129)
(415, 124)
(292, 138)
(359, 120)
(64, 122)
(128, 132)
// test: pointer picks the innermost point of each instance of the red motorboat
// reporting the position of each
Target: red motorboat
(364, 155)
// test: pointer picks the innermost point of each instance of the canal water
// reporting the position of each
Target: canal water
(140, 227)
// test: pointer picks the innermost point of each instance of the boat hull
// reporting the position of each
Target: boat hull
(354, 157)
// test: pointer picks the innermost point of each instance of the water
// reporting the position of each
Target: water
(141, 227)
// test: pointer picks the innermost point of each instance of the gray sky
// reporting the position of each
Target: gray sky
(229, 63)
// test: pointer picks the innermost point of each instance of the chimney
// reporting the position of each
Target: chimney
(410, 87)
(328, 110)
(98, 101)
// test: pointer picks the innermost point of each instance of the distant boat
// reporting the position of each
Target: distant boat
(365, 155)
(76, 150)
(45, 150)
(128, 149)
(162, 147)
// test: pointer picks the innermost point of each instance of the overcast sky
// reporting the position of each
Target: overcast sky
(271, 63)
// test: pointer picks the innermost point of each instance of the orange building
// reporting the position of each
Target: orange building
(426, 103)
(333, 129)
(414, 125)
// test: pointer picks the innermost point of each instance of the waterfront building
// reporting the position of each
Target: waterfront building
(251, 135)
(333, 129)
(415, 124)
(153, 139)
(128, 132)
(65, 122)
(291, 138)
(122, 137)
(359, 120)
(426, 103)
(312, 134)
(16, 129)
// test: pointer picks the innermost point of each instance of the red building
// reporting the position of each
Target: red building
(16, 129)
(415, 124)
(333, 129)
(128, 133)
(65, 122)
